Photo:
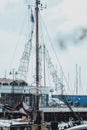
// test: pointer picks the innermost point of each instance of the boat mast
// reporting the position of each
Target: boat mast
(37, 55)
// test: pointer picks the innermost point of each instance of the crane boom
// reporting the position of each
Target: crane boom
(53, 72)
(24, 61)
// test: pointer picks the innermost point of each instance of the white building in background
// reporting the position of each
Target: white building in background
(14, 91)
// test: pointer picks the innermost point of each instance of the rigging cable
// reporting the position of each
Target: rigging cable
(55, 52)
(43, 54)
(78, 117)
(24, 61)
(13, 57)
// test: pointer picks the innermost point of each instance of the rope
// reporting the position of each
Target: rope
(80, 119)
(55, 53)
(13, 57)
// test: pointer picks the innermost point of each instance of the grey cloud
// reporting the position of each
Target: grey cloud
(80, 34)
(73, 37)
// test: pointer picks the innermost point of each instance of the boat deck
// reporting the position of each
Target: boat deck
(63, 109)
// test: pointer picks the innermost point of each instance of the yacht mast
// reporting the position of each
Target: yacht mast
(37, 55)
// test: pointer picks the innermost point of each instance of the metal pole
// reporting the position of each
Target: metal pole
(44, 68)
(76, 79)
(37, 56)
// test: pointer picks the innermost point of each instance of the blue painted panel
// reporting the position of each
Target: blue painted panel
(80, 100)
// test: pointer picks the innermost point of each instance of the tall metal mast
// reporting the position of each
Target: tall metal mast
(37, 54)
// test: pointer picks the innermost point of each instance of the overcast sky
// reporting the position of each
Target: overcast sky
(66, 22)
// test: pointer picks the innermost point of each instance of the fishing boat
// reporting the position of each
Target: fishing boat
(25, 123)
(37, 91)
